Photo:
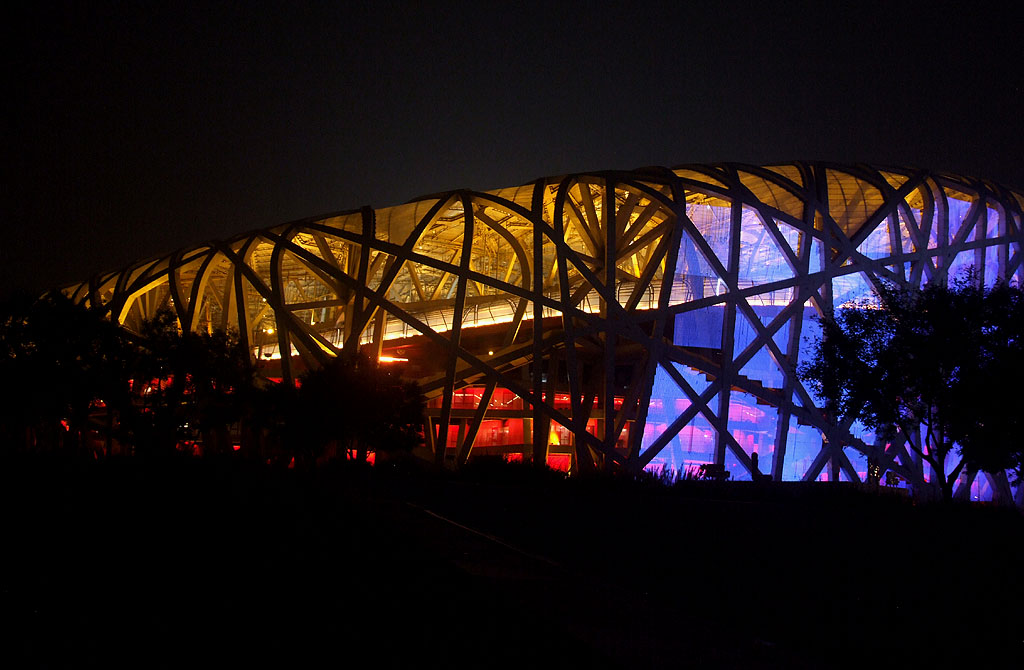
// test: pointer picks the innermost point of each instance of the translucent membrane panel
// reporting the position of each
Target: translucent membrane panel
(847, 290)
(698, 177)
(695, 442)
(781, 336)
(761, 259)
(502, 244)
(773, 194)
(763, 369)
(768, 306)
(818, 257)
(667, 402)
(992, 231)
(991, 265)
(744, 333)
(790, 172)
(714, 223)
(962, 263)
(300, 284)
(792, 236)
(982, 489)
(810, 335)
(878, 242)
(862, 432)
(693, 279)
(351, 223)
(519, 195)
(895, 180)
(859, 461)
(442, 240)
(992, 225)
(752, 424)
(493, 257)
(395, 223)
(952, 461)
(851, 200)
(802, 446)
(697, 379)
(957, 216)
(700, 328)
(259, 259)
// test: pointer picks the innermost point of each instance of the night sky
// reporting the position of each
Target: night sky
(132, 129)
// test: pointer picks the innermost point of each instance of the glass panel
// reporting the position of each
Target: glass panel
(791, 235)
(769, 305)
(905, 236)
(395, 223)
(790, 172)
(761, 260)
(668, 401)
(773, 194)
(877, 244)
(802, 446)
(781, 336)
(818, 259)
(849, 289)
(895, 180)
(991, 265)
(695, 442)
(851, 200)
(700, 328)
(744, 333)
(714, 223)
(957, 213)
(859, 460)
(697, 379)
(981, 488)
(991, 251)
(352, 223)
(763, 368)
(961, 264)
(694, 278)
(698, 177)
(752, 424)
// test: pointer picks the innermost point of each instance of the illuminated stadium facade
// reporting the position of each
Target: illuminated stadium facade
(652, 318)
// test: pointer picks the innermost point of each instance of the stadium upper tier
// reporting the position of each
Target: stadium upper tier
(654, 317)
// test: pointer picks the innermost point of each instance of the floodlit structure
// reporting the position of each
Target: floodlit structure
(652, 318)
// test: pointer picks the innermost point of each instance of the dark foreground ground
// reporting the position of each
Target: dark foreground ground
(220, 564)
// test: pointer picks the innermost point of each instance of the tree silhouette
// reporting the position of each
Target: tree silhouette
(188, 385)
(64, 365)
(360, 405)
(937, 358)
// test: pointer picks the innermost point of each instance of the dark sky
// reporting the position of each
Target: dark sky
(133, 129)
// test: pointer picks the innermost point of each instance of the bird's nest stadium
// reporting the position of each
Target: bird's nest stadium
(651, 318)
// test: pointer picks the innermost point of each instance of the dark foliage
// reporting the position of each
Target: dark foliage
(187, 385)
(939, 358)
(359, 404)
(62, 363)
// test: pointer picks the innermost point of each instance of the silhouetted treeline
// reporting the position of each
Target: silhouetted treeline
(79, 384)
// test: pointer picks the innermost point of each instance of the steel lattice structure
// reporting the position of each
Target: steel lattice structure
(646, 318)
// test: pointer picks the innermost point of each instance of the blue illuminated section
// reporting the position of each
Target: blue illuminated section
(694, 444)
(730, 248)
